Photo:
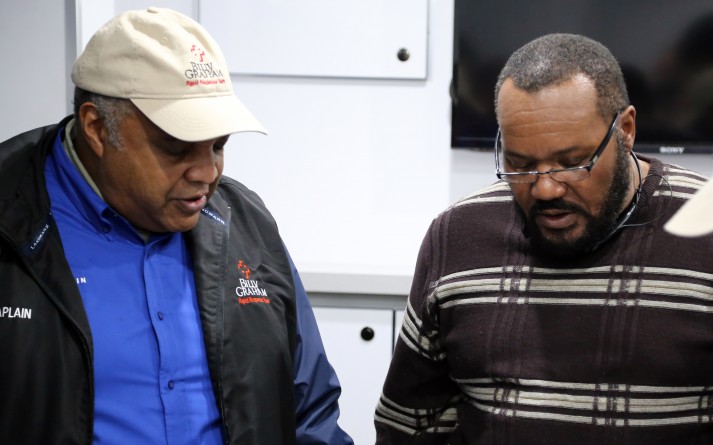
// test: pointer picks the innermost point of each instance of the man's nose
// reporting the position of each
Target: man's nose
(546, 188)
(204, 165)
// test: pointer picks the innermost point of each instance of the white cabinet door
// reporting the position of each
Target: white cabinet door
(385, 39)
(358, 344)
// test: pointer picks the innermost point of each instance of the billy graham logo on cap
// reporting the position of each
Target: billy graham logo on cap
(202, 72)
(170, 68)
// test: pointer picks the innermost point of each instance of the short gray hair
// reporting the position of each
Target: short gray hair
(111, 110)
(555, 58)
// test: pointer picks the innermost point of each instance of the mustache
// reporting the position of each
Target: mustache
(555, 204)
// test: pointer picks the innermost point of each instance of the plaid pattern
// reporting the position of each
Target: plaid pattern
(503, 344)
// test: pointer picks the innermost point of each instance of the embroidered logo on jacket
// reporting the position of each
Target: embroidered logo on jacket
(15, 312)
(249, 291)
(212, 215)
(38, 239)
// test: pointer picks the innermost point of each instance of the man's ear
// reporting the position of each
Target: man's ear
(627, 121)
(92, 128)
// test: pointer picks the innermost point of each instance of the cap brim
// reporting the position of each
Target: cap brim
(200, 118)
(695, 217)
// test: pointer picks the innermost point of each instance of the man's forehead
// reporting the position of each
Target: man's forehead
(578, 91)
(572, 101)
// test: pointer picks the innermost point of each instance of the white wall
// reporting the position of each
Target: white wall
(33, 77)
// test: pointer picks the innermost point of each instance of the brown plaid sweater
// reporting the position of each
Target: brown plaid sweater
(503, 345)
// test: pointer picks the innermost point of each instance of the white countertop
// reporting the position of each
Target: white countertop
(357, 283)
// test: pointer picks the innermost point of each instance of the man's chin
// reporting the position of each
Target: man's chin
(561, 244)
(179, 223)
(559, 249)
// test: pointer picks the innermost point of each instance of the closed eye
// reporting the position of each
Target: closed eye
(176, 149)
(519, 164)
(219, 145)
(573, 161)
(523, 164)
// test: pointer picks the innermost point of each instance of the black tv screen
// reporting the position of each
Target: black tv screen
(665, 49)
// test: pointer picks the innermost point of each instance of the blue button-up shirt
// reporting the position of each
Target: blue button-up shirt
(152, 383)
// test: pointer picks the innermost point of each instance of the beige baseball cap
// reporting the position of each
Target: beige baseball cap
(695, 217)
(170, 68)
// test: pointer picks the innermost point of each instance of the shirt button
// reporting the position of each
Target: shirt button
(171, 385)
(160, 315)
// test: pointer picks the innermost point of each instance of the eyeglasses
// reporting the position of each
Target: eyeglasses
(569, 174)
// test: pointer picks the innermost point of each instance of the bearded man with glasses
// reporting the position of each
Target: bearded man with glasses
(552, 307)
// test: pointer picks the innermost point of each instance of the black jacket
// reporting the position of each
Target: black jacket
(46, 374)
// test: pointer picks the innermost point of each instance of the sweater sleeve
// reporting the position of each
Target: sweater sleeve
(418, 402)
(317, 388)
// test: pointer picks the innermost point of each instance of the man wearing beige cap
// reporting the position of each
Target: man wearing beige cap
(695, 218)
(147, 299)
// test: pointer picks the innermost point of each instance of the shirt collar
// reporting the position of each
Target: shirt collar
(68, 145)
(83, 192)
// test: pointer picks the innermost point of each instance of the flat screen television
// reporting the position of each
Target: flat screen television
(665, 49)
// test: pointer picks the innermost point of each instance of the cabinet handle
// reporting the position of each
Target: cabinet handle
(367, 333)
